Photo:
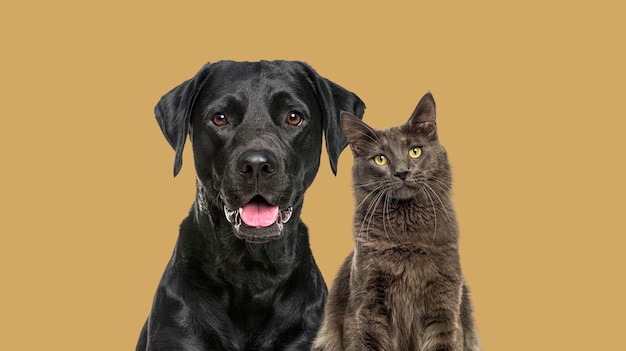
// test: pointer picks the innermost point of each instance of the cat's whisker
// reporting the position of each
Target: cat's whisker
(370, 215)
(443, 185)
(443, 206)
(368, 195)
(373, 212)
(367, 185)
(387, 210)
(425, 190)
(387, 213)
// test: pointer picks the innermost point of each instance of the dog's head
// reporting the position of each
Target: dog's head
(256, 131)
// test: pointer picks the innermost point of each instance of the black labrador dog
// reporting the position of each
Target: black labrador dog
(242, 276)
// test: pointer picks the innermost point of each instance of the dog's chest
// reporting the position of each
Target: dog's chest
(251, 312)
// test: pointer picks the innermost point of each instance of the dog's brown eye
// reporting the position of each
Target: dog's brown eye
(219, 119)
(294, 119)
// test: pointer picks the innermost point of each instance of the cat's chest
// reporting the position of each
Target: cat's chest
(396, 275)
(392, 285)
(395, 269)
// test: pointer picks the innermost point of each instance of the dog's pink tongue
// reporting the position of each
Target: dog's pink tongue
(259, 214)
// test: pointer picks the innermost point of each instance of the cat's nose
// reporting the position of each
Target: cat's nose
(401, 174)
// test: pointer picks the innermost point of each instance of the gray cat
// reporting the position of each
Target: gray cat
(401, 288)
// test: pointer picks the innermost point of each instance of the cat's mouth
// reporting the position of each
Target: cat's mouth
(258, 221)
(404, 190)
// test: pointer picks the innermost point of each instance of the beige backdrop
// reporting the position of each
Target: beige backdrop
(531, 108)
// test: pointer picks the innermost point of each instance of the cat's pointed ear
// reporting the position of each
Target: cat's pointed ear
(424, 117)
(359, 134)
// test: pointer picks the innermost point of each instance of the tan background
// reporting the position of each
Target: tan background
(531, 107)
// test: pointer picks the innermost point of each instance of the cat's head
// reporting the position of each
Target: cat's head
(402, 162)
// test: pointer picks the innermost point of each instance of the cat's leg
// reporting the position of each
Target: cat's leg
(368, 331)
(470, 336)
(440, 315)
(330, 335)
(370, 316)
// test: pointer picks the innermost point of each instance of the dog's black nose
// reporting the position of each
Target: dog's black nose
(254, 164)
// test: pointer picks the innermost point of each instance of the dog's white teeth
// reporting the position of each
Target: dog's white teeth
(233, 216)
(230, 214)
(285, 215)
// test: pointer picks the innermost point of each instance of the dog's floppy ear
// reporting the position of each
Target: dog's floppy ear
(173, 112)
(333, 100)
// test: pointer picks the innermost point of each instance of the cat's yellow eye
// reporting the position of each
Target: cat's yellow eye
(415, 152)
(380, 160)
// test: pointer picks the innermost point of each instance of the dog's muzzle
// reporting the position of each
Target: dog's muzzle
(258, 221)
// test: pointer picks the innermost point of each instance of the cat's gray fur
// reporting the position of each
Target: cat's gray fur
(401, 288)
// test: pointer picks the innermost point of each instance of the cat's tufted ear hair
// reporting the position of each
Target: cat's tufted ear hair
(360, 135)
(173, 113)
(332, 99)
(424, 118)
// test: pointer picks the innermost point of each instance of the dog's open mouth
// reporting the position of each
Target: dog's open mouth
(258, 221)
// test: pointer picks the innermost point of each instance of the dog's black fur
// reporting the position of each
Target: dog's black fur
(256, 131)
